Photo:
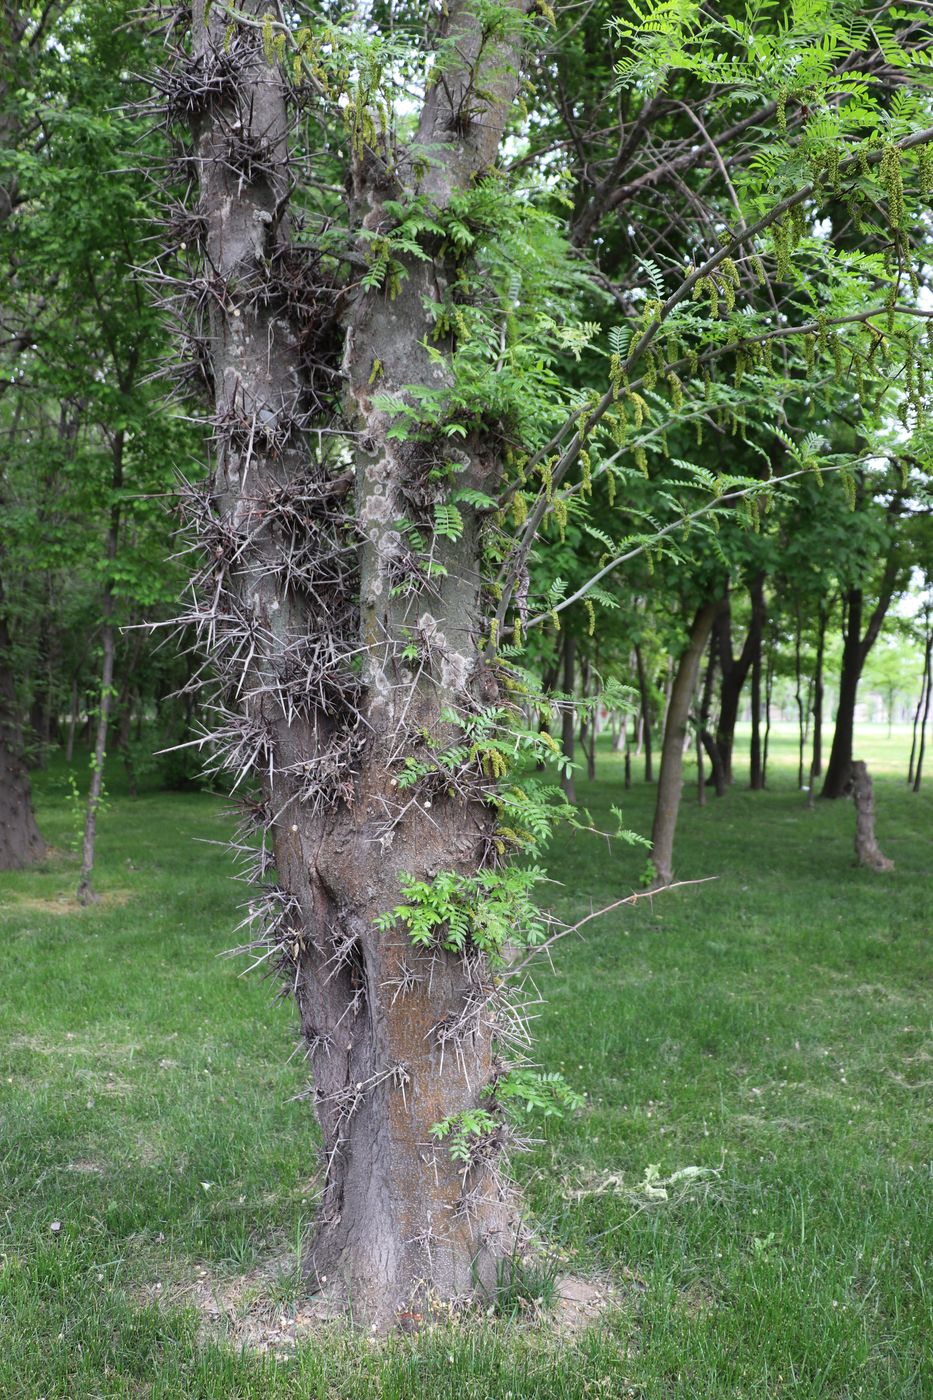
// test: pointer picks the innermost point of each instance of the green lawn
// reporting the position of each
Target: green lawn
(771, 1028)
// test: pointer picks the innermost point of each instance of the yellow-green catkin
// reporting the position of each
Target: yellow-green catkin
(519, 508)
(591, 615)
(781, 110)
(892, 183)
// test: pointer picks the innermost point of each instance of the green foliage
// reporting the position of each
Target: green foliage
(485, 911)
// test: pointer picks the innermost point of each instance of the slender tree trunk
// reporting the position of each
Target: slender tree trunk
(86, 894)
(568, 714)
(398, 1037)
(735, 669)
(702, 733)
(20, 842)
(926, 711)
(769, 691)
(798, 695)
(72, 722)
(756, 775)
(921, 705)
(672, 752)
(645, 714)
(816, 761)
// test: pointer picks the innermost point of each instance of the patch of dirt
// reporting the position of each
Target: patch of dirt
(86, 1168)
(581, 1303)
(64, 903)
(257, 1310)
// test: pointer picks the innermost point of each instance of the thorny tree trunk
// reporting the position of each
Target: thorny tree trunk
(672, 750)
(928, 655)
(20, 841)
(644, 714)
(86, 893)
(922, 704)
(568, 714)
(867, 850)
(397, 1038)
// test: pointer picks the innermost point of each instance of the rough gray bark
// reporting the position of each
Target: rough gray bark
(867, 850)
(670, 778)
(397, 1039)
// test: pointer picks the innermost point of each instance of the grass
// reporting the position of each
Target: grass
(771, 1029)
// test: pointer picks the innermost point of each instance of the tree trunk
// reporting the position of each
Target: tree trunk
(867, 850)
(854, 655)
(645, 713)
(703, 720)
(756, 775)
(72, 722)
(399, 1038)
(769, 691)
(921, 704)
(816, 761)
(672, 750)
(589, 723)
(20, 842)
(926, 712)
(798, 696)
(86, 893)
(568, 714)
(735, 669)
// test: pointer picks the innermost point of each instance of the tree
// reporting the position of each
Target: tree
(859, 636)
(394, 448)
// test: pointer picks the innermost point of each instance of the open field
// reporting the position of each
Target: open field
(771, 1029)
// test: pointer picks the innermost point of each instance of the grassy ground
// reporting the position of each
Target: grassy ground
(770, 1029)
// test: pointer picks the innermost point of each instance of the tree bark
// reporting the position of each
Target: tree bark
(645, 714)
(798, 696)
(702, 722)
(398, 1037)
(568, 714)
(769, 691)
(672, 751)
(926, 712)
(756, 771)
(734, 669)
(922, 704)
(854, 655)
(20, 842)
(816, 760)
(867, 850)
(72, 722)
(86, 893)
